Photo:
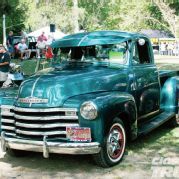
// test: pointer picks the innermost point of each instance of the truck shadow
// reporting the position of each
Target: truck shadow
(160, 137)
(147, 145)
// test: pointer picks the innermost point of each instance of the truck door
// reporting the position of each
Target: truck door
(147, 86)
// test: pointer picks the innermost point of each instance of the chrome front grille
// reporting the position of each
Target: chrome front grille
(7, 120)
(36, 123)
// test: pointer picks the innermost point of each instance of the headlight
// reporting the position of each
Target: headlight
(88, 110)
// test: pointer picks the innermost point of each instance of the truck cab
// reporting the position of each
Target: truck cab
(101, 90)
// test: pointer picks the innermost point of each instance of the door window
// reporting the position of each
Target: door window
(141, 52)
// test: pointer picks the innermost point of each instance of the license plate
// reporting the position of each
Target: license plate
(78, 134)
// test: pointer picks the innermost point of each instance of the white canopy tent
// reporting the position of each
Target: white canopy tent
(56, 35)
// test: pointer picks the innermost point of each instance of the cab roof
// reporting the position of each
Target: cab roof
(94, 38)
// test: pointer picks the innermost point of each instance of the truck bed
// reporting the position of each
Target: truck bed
(168, 73)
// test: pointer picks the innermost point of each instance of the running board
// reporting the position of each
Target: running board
(155, 122)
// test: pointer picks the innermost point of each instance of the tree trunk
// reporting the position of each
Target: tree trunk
(168, 15)
(75, 15)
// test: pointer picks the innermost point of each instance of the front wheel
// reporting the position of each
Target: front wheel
(114, 145)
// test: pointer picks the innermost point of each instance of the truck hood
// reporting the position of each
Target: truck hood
(55, 87)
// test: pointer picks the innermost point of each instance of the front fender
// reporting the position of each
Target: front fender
(110, 105)
(170, 95)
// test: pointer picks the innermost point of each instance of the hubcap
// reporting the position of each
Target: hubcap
(116, 142)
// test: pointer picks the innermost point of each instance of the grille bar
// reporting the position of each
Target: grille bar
(11, 121)
(36, 133)
(44, 110)
(6, 113)
(8, 127)
(44, 117)
(53, 125)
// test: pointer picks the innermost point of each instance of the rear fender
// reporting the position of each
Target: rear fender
(170, 95)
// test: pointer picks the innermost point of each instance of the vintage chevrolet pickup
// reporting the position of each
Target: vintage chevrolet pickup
(101, 90)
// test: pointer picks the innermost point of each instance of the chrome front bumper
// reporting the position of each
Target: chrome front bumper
(49, 147)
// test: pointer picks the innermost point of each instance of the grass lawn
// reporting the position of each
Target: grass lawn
(28, 66)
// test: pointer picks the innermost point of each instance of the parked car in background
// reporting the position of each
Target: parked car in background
(102, 91)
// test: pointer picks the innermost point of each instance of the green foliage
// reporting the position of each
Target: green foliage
(14, 16)
(156, 20)
(92, 14)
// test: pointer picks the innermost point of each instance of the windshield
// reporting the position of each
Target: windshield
(110, 53)
(98, 55)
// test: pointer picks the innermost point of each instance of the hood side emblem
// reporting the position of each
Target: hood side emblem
(32, 100)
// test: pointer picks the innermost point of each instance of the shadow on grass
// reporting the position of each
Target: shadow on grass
(162, 140)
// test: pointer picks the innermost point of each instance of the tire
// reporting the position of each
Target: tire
(16, 153)
(113, 147)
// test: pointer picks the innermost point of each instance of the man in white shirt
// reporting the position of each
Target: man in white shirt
(23, 49)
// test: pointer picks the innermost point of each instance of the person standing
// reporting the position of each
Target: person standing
(4, 64)
(10, 43)
(42, 37)
(41, 44)
(162, 48)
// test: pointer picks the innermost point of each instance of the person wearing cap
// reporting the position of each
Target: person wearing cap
(4, 64)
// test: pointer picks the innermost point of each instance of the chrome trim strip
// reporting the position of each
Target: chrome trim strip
(40, 133)
(52, 147)
(43, 118)
(33, 87)
(11, 121)
(27, 125)
(18, 109)
(147, 115)
(82, 39)
(8, 127)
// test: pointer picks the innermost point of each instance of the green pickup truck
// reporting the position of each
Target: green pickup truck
(101, 90)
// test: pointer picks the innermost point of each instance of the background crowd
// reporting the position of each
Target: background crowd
(169, 48)
(22, 49)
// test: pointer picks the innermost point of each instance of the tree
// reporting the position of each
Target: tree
(168, 15)
(14, 15)
(96, 14)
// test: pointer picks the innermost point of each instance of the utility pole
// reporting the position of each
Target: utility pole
(4, 30)
(75, 13)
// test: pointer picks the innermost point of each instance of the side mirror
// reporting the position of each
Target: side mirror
(141, 42)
